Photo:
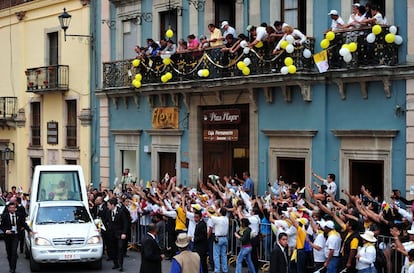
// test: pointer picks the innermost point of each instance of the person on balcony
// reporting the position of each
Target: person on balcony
(182, 46)
(192, 42)
(337, 21)
(259, 34)
(376, 17)
(299, 37)
(216, 39)
(357, 20)
(204, 44)
(170, 49)
(227, 30)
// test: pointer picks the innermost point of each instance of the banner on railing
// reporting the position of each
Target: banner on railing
(321, 61)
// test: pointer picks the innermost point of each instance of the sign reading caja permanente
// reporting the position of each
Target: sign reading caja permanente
(165, 118)
(221, 135)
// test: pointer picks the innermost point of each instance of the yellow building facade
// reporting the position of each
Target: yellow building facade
(45, 89)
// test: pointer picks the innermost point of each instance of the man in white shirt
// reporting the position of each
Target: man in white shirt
(227, 30)
(329, 182)
(332, 248)
(259, 34)
(221, 228)
(337, 21)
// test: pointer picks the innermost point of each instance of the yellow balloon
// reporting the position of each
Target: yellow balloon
(205, 73)
(135, 62)
(288, 61)
(284, 44)
(169, 33)
(259, 44)
(325, 43)
(330, 35)
(346, 46)
(169, 75)
(166, 61)
(164, 78)
(292, 69)
(390, 38)
(376, 29)
(241, 65)
(352, 46)
(246, 71)
(136, 83)
(138, 77)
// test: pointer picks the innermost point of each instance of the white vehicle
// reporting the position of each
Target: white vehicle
(64, 231)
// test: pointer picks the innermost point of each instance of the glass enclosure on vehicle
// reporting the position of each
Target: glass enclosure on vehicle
(62, 214)
(59, 185)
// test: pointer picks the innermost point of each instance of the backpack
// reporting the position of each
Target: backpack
(380, 259)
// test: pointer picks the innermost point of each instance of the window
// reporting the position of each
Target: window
(53, 48)
(225, 11)
(59, 185)
(294, 13)
(71, 126)
(168, 20)
(35, 123)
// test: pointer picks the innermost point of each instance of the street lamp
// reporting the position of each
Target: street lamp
(64, 20)
(8, 154)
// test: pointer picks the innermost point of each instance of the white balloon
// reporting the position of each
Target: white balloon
(200, 73)
(243, 44)
(290, 39)
(289, 48)
(348, 58)
(398, 40)
(247, 61)
(393, 30)
(371, 38)
(307, 53)
(246, 50)
(344, 51)
(284, 70)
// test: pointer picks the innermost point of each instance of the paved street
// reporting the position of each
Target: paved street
(131, 264)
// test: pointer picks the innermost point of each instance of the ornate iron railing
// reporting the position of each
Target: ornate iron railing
(8, 108)
(48, 78)
(213, 63)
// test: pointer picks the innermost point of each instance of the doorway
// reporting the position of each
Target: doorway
(167, 163)
(225, 140)
(369, 173)
(292, 169)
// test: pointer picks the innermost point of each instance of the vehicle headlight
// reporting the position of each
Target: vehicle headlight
(41, 241)
(94, 240)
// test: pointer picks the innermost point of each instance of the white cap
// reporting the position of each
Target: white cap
(333, 12)
(330, 224)
(356, 5)
(224, 23)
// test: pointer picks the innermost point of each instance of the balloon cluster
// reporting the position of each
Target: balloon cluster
(390, 37)
(329, 36)
(243, 66)
(346, 51)
(287, 44)
(203, 73)
(244, 45)
(289, 67)
(166, 77)
(137, 81)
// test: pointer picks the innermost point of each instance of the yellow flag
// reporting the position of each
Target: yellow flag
(321, 61)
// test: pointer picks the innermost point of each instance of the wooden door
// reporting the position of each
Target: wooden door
(167, 164)
(217, 159)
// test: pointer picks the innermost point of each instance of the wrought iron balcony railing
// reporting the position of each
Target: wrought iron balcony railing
(47, 78)
(212, 63)
(8, 108)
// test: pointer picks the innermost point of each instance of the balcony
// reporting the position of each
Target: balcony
(8, 111)
(46, 79)
(211, 70)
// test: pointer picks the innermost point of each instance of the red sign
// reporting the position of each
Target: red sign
(226, 116)
(221, 135)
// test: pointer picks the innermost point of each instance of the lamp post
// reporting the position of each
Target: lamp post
(64, 20)
(7, 155)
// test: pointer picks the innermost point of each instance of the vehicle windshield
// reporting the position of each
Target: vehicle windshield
(59, 185)
(61, 215)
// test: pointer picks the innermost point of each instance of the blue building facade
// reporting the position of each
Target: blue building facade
(350, 121)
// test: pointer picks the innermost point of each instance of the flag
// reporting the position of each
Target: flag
(321, 61)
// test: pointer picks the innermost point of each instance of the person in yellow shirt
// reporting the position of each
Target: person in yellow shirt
(216, 38)
(349, 247)
(300, 224)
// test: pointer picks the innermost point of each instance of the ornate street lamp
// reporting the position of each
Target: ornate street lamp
(64, 20)
(8, 154)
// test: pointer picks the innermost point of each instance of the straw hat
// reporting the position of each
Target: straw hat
(369, 236)
(182, 240)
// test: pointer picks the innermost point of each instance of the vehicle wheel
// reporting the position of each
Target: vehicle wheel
(96, 265)
(34, 266)
(26, 252)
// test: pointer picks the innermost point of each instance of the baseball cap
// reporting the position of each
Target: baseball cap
(249, 27)
(224, 23)
(333, 12)
(356, 5)
(330, 224)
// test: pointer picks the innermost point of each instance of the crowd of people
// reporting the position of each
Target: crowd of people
(290, 228)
